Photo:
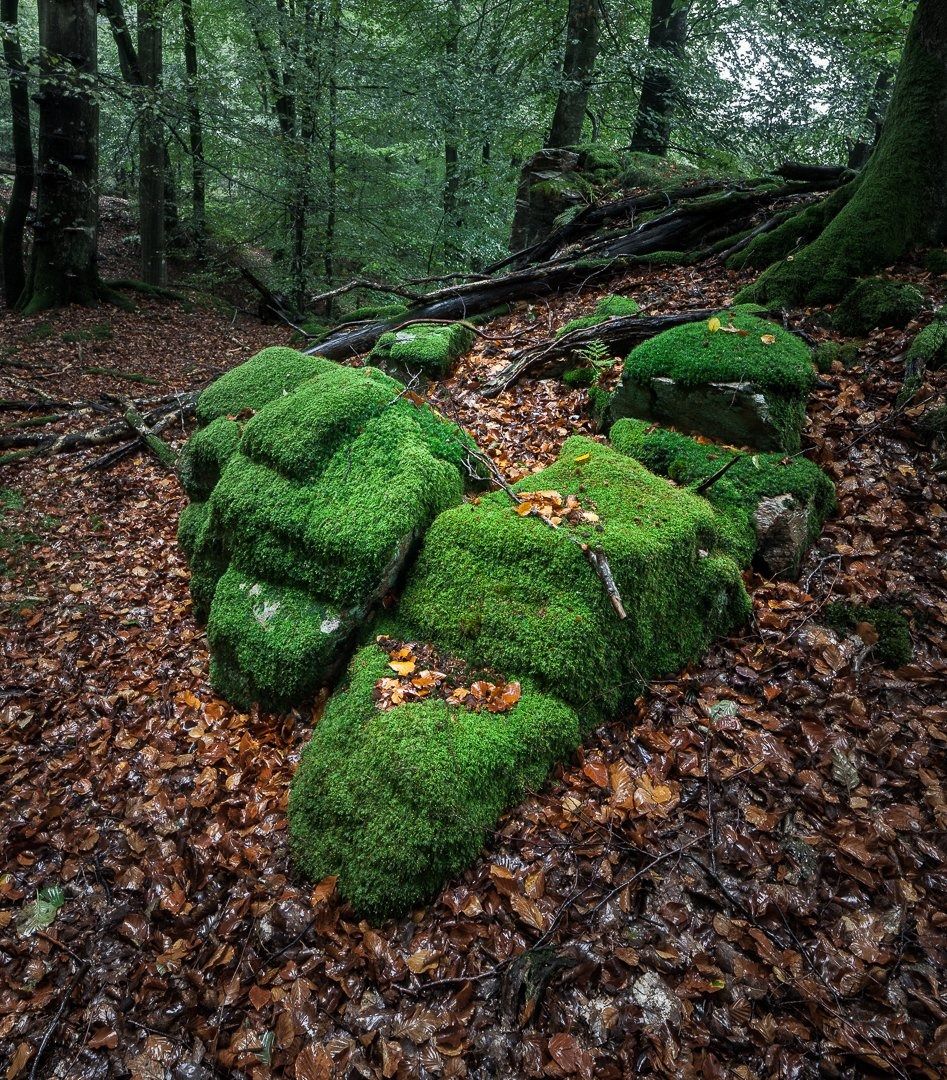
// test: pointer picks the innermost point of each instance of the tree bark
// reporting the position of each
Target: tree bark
(14, 273)
(578, 66)
(151, 180)
(862, 148)
(64, 267)
(667, 37)
(195, 131)
(900, 198)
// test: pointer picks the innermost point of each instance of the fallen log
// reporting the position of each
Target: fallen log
(147, 436)
(621, 334)
(687, 227)
(797, 170)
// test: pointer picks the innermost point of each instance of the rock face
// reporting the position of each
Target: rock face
(738, 379)
(548, 185)
(782, 532)
(307, 505)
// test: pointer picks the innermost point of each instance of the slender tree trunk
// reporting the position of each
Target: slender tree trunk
(899, 199)
(450, 202)
(332, 195)
(151, 178)
(578, 66)
(667, 37)
(14, 273)
(63, 268)
(196, 131)
(861, 150)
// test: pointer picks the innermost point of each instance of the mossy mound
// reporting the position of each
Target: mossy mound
(745, 382)
(828, 353)
(313, 504)
(394, 802)
(508, 592)
(738, 495)
(270, 374)
(580, 377)
(881, 625)
(877, 302)
(606, 308)
(427, 349)
(929, 349)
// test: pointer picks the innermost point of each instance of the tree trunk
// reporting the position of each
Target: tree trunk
(861, 150)
(578, 65)
(666, 40)
(196, 131)
(900, 198)
(332, 163)
(453, 219)
(63, 268)
(14, 274)
(151, 178)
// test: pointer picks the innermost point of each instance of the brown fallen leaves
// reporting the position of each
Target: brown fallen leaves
(556, 508)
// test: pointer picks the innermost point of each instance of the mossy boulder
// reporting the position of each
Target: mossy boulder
(744, 382)
(506, 591)
(394, 802)
(306, 512)
(877, 302)
(828, 353)
(422, 349)
(270, 374)
(771, 508)
(608, 307)
(929, 349)
(881, 624)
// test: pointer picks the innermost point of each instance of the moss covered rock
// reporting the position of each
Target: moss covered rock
(929, 349)
(507, 592)
(745, 382)
(394, 802)
(305, 514)
(880, 624)
(270, 374)
(771, 508)
(606, 308)
(422, 348)
(877, 302)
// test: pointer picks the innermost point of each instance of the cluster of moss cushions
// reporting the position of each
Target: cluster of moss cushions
(310, 482)
(608, 307)
(424, 348)
(736, 378)
(745, 495)
(394, 801)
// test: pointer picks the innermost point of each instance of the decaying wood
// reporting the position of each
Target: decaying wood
(620, 333)
(147, 436)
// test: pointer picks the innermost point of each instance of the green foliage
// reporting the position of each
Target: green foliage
(606, 308)
(508, 592)
(594, 358)
(41, 912)
(579, 377)
(737, 494)
(420, 347)
(877, 302)
(395, 802)
(936, 261)
(270, 374)
(894, 647)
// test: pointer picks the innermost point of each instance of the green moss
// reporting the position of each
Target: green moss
(270, 374)
(393, 803)
(649, 171)
(509, 593)
(578, 377)
(205, 454)
(606, 308)
(375, 311)
(202, 546)
(738, 493)
(929, 349)
(427, 348)
(834, 352)
(600, 404)
(894, 647)
(933, 423)
(877, 302)
(269, 643)
(693, 356)
(936, 261)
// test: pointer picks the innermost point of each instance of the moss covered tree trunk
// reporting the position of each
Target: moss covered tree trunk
(578, 64)
(900, 199)
(63, 268)
(666, 39)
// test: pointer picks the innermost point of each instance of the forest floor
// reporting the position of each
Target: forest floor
(743, 877)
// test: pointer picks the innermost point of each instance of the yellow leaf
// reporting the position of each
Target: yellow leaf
(714, 324)
(524, 508)
(581, 458)
(768, 339)
(403, 667)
